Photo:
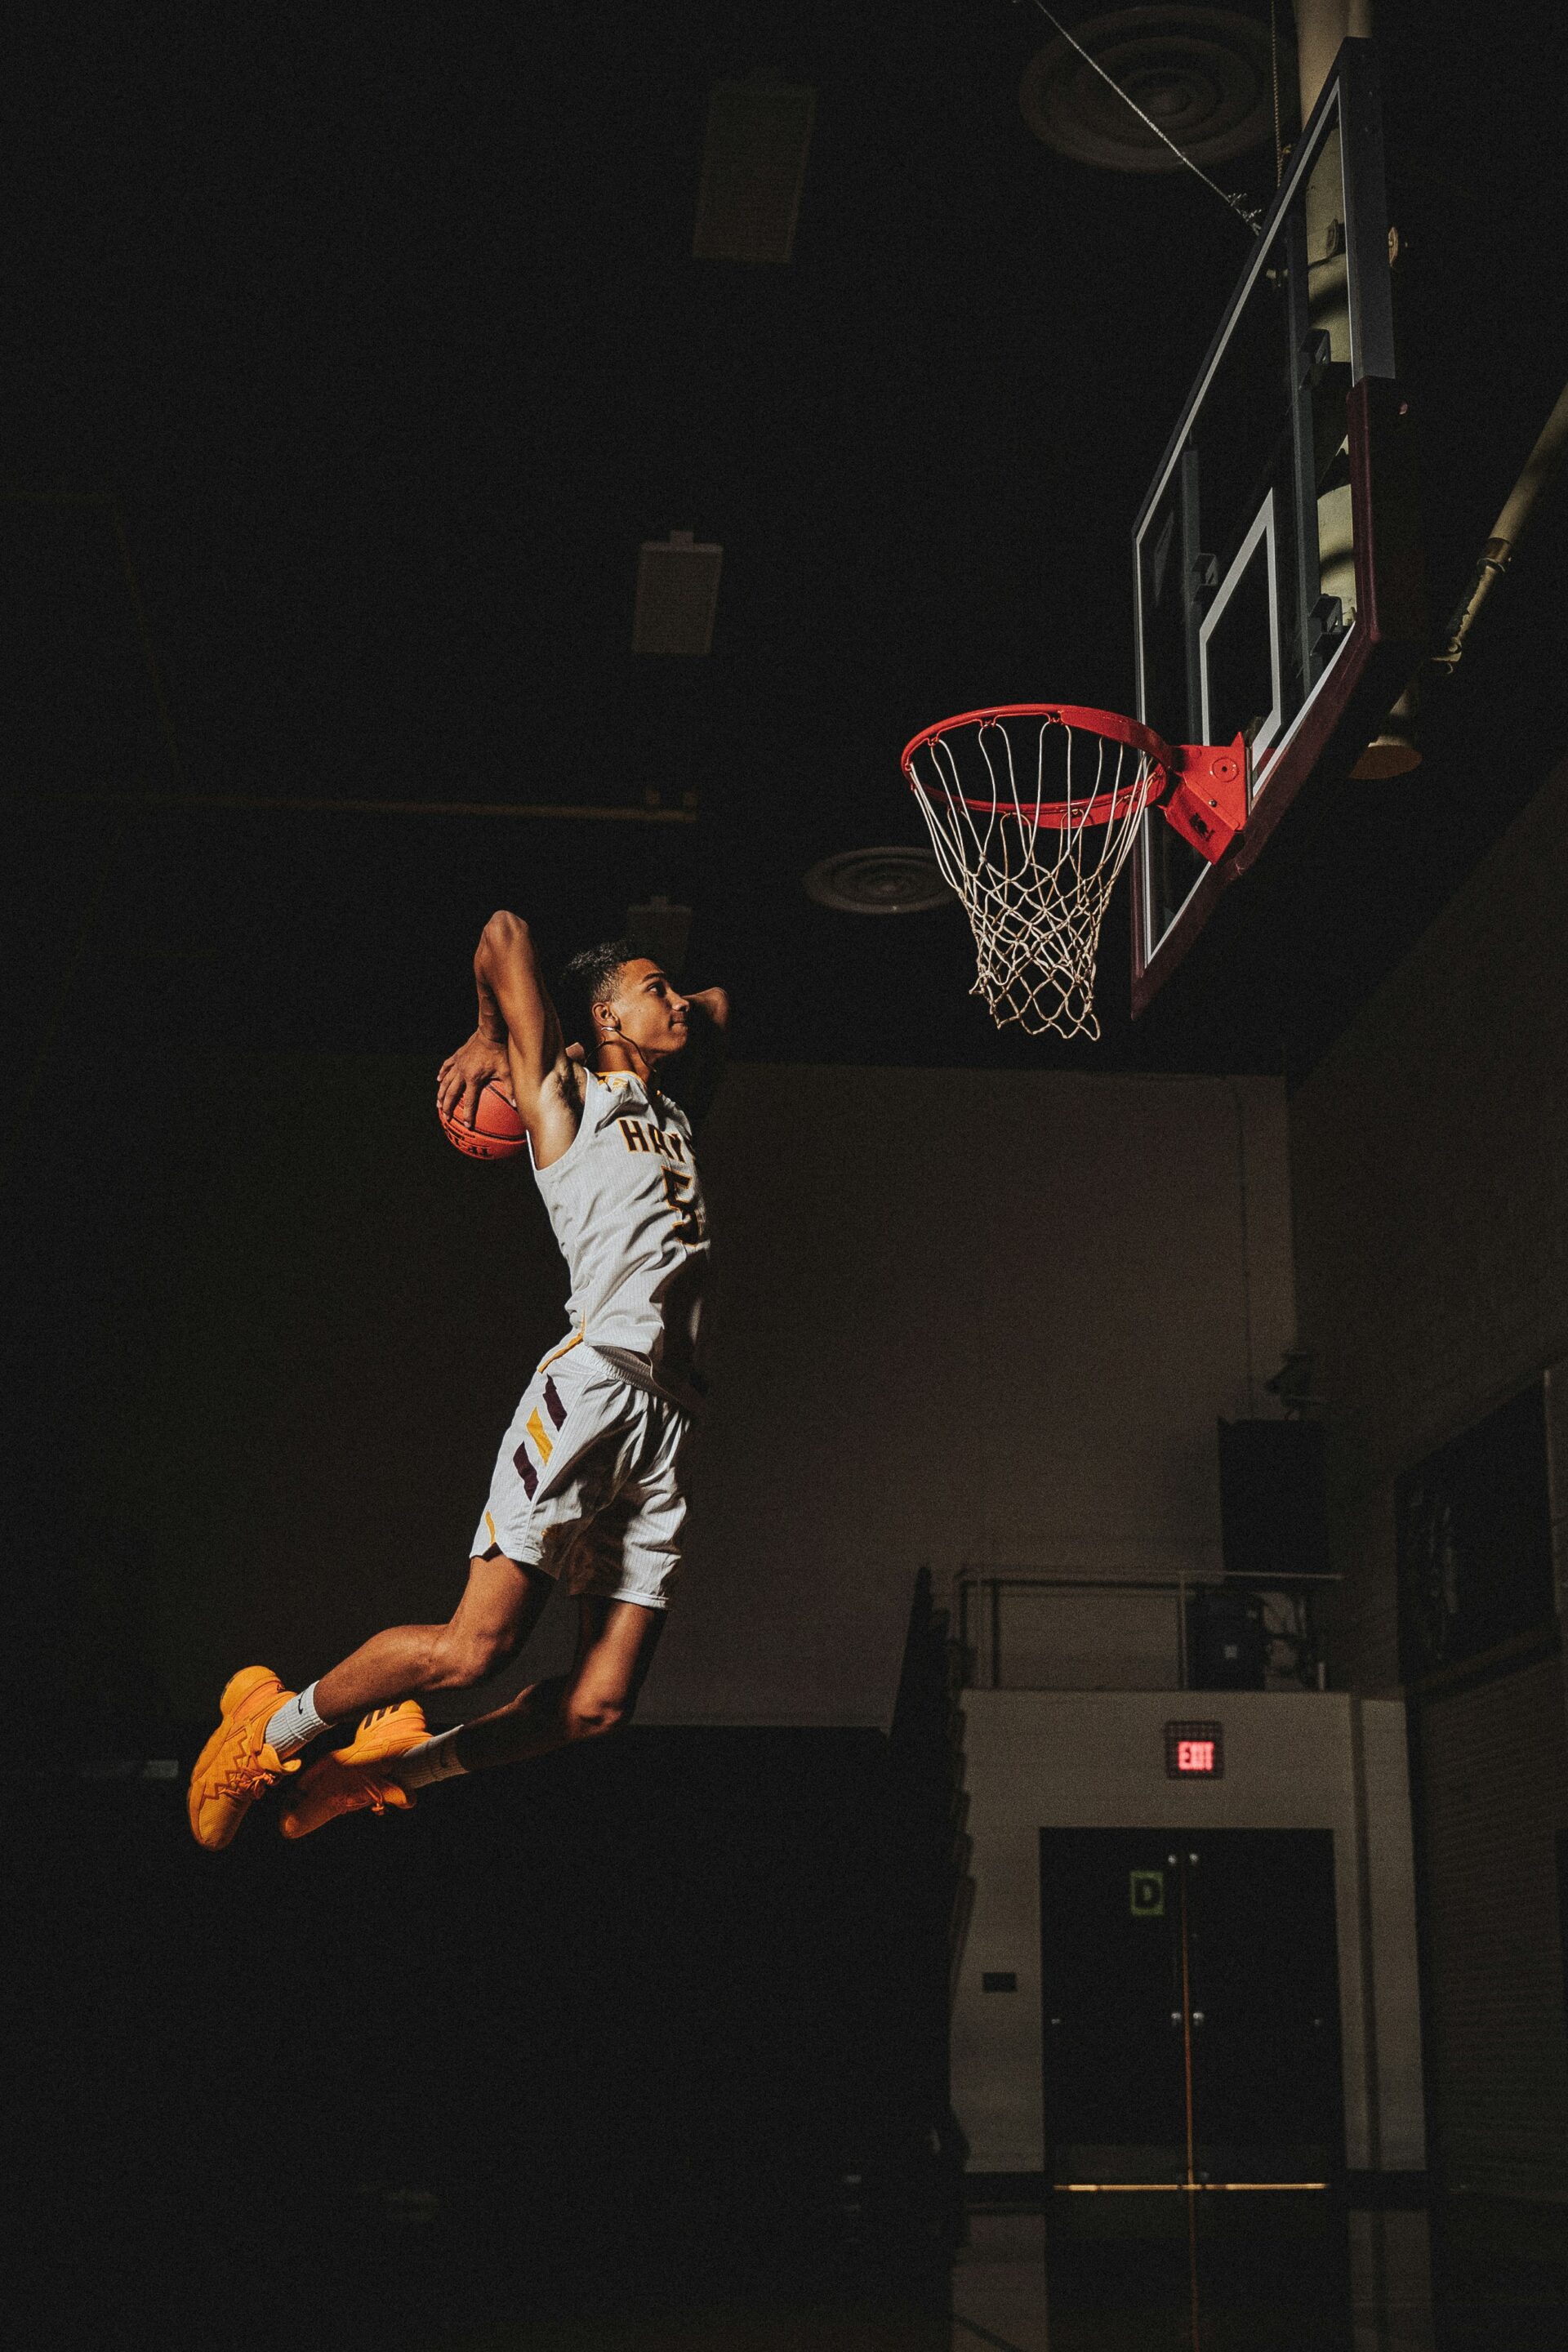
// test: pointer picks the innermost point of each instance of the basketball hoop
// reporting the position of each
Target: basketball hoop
(1032, 808)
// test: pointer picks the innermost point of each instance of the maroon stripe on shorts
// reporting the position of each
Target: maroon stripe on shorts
(526, 1471)
(553, 1404)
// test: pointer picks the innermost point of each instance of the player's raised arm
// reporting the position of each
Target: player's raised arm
(715, 1004)
(517, 1041)
(507, 973)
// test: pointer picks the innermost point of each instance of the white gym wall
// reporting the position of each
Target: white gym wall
(962, 1317)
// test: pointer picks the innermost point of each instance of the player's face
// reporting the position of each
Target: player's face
(649, 1011)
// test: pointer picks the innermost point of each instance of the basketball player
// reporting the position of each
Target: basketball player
(589, 1480)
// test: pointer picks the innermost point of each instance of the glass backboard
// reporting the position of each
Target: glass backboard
(1278, 591)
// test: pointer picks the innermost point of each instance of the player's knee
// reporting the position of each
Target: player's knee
(464, 1654)
(589, 1716)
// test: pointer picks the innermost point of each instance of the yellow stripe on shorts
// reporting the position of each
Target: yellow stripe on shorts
(564, 1349)
(535, 1429)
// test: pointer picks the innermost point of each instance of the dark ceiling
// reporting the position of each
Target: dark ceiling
(382, 325)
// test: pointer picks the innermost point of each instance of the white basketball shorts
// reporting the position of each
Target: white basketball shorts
(588, 1484)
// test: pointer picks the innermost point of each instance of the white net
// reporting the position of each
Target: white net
(1031, 820)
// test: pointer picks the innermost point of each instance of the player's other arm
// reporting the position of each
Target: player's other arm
(700, 1068)
(517, 1041)
(715, 1004)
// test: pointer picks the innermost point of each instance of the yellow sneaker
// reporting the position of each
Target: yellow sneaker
(237, 1765)
(347, 1782)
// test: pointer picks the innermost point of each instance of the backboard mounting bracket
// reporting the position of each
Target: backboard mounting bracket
(1208, 796)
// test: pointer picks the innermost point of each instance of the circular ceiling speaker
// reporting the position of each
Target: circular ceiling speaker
(879, 882)
(1204, 75)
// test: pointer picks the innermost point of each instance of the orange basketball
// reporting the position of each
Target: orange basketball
(498, 1132)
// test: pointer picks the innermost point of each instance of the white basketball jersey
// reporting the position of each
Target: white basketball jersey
(625, 1205)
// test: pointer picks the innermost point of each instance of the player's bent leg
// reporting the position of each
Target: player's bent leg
(392, 1755)
(615, 1643)
(499, 1608)
(620, 1552)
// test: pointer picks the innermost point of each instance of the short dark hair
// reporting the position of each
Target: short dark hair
(588, 979)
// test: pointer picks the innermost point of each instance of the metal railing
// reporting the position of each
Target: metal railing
(979, 1603)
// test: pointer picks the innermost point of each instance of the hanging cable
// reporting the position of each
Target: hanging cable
(1244, 212)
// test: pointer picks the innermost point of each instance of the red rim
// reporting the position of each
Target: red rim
(1057, 814)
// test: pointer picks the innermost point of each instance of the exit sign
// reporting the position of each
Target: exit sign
(1194, 1751)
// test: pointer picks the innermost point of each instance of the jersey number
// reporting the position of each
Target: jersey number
(688, 1220)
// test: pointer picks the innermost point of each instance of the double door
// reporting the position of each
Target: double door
(1193, 2106)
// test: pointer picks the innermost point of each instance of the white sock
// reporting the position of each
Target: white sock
(295, 1724)
(433, 1759)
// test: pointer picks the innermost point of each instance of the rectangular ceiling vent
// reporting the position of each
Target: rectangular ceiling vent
(753, 168)
(678, 595)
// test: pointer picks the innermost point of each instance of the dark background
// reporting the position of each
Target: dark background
(657, 2025)
(380, 329)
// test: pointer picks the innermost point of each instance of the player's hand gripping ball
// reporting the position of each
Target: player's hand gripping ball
(498, 1131)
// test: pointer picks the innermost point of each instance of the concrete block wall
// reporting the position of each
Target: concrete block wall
(1429, 1156)
(1429, 1162)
